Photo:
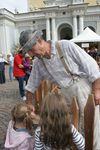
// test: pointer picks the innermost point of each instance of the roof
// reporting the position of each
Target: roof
(87, 36)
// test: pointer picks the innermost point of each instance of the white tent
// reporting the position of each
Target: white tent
(86, 36)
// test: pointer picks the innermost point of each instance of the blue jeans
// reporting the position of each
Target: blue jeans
(21, 85)
(10, 73)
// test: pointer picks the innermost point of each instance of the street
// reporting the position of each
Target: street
(9, 96)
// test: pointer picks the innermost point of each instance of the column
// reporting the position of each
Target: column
(48, 29)
(81, 24)
(4, 40)
(54, 32)
(74, 26)
(77, 1)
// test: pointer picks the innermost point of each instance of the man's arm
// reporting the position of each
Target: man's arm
(96, 91)
(29, 96)
(29, 99)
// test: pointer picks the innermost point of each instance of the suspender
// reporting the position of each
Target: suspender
(62, 58)
(74, 76)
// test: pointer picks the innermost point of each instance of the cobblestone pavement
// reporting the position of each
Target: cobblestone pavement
(9, 96)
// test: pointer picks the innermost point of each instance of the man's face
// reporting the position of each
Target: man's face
(37, 50)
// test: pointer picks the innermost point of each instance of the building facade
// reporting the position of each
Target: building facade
(59, 19)
(33, 5)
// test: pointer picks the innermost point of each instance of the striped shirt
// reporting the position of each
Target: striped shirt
(77, 139)
(78, 61)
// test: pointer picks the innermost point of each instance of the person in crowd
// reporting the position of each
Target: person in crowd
(55, 130)
(20, 134)
(10, 60)
(92, 51)
(81, 78)
(2, 70)
(27, 63)
(86, 49)
(19, 73)
(98, 57)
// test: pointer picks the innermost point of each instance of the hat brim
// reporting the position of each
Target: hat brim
(28, 46)
(32, 41)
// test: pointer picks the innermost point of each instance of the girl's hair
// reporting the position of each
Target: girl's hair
(55, 122)
(22, 113)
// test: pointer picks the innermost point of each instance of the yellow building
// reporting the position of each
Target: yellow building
(91, 2)
(35, 4)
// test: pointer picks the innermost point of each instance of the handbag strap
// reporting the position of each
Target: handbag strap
(62, 58)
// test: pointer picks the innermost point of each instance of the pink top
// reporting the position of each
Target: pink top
(21, 140)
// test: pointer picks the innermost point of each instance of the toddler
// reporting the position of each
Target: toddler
(20, 129)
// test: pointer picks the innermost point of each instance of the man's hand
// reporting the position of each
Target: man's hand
(97, 96)
(29, 99)
(96, 91)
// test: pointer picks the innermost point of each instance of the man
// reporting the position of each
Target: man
(48, 65)
(19, 73)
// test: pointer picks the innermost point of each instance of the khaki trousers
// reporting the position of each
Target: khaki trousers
(81, 90)
(96, 145)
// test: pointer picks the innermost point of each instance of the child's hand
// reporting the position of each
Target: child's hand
(35, 118)
(31, 107)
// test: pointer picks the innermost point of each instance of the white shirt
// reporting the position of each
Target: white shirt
(78, 61)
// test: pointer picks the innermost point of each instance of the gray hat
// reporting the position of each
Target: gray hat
(29, 38)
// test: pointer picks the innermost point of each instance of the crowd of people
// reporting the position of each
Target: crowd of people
(19, 68)
(76, 74)
(93, 51)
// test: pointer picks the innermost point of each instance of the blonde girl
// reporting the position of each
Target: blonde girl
(20, 129)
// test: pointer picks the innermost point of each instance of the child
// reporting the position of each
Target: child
(19, 133)
(27, 63)
(55, 130)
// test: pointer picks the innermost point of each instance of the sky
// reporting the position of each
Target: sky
(20, 5)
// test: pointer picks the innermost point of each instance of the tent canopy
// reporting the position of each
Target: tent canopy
(86, 36)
